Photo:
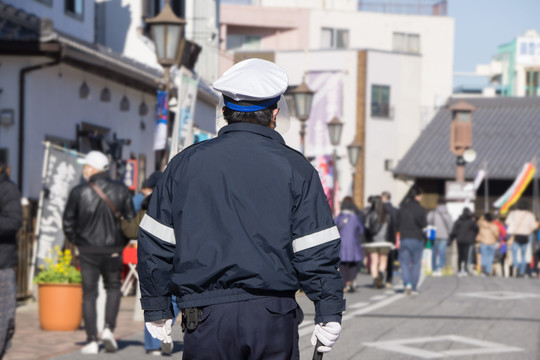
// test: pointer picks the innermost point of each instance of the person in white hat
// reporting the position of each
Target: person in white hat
(234, 228)
(92, 223)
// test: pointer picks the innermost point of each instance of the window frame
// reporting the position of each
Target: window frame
(334, 38)
(380, 114)
(406, 42)
(73, 14)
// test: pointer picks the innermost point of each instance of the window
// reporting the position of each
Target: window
(45, 2)
(243, 42)
(334, 38)
(532, 85)
(403, 42)
(75, 8)
(380, 101)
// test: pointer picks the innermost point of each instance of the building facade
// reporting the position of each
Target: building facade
(395, 71)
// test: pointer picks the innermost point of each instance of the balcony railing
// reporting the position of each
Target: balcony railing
(421, 7)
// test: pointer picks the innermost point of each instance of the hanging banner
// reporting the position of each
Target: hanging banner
(325, 167)
(162, 113)
(480, 175)
(182, 135)
(512, 195)
(327, 104)
(61, 173)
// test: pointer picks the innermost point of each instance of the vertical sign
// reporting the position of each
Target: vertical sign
(61, 173)
(182, 136)
(130, 175)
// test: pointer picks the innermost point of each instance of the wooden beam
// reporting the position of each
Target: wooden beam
(361, 79)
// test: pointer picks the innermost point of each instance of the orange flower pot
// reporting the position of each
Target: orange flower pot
(60, 306)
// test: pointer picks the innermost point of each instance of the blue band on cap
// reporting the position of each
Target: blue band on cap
(253, 107)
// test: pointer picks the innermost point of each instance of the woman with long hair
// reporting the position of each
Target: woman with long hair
(378, 244)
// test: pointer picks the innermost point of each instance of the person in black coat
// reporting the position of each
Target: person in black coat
(10, 223)
(392, 256)
(411, 219)
(464, 231)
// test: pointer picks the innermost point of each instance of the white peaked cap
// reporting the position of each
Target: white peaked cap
(253, 80)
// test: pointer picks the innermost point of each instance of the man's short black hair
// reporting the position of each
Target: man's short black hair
(261, 117)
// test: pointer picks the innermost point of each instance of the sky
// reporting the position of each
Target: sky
(482, 25)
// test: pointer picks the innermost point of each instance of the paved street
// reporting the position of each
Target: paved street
(465, 318)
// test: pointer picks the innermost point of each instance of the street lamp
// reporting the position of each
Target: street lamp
(167, 31)
(303, 96)
(334, 130)
(353, 151)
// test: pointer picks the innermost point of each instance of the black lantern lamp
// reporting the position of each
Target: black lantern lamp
(167, 31)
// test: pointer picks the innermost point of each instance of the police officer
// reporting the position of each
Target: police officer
(235, 227)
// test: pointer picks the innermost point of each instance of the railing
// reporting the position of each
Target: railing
(432, 8)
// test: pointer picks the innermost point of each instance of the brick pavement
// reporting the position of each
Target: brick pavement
(32, 343)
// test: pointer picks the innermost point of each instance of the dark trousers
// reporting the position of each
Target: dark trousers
(348, 270)
(463, 256)
(264, 328)
(392, 256)
(8, 295)
(110, 267)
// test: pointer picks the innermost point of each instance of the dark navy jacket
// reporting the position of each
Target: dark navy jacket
(235, 218)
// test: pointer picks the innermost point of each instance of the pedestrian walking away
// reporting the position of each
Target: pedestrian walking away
(521, 224)
(10, 223)
(92, 223)
(411, 220)
(392, 235)
(351, 231)
(464, 232)
(379, 240)
(441, 220)
(488, 235)
(235, 227)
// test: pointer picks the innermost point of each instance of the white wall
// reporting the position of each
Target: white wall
(203, 28)
(120, 29)
(80, 28)
(391, 138)
(375, 31)
(57, 114)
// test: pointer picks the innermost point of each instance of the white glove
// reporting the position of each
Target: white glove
(160, 329)
(327, 333)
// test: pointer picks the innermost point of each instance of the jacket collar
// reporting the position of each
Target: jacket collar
(3, 176)
(253, 128)
(99, 175)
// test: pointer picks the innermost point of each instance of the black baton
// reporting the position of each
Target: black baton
(316, 354)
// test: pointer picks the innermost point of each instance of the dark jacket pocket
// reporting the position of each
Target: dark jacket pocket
(281, 306)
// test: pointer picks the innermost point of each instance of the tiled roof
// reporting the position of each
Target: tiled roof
(506, 134)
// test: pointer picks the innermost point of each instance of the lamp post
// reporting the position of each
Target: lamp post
(461, 135)
(167, 31)
(303, 97)
(334, 130)
(353, 151)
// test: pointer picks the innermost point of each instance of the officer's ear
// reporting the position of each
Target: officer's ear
(223, 109)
